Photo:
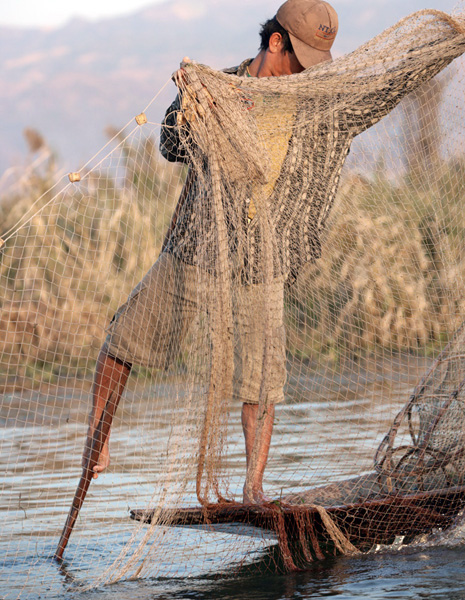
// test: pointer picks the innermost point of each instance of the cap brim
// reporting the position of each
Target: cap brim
(308, 56)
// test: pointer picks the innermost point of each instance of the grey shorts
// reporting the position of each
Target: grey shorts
(150, 327)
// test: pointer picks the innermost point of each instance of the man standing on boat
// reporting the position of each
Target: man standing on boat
(297, 38)
(143, 332)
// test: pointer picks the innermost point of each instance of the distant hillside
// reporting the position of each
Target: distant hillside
(72, 82)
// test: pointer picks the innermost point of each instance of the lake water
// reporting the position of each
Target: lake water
(329, 438)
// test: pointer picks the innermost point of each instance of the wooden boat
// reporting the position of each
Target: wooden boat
(364, 524)
(417, 486)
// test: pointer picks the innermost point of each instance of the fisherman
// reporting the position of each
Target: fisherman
(142, 331)
(297, 38)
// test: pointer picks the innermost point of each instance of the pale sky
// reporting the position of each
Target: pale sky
(52, 13)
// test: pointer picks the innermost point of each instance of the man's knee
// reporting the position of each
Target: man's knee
(106, 356)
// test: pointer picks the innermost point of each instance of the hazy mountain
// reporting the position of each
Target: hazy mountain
(71, 82)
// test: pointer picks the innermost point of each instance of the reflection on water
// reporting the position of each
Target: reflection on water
(331, 436)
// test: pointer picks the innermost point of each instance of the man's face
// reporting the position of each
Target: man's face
(291, 64)
(280, 62)
(287, 64)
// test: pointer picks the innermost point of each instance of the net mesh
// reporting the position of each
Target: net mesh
(236, 254)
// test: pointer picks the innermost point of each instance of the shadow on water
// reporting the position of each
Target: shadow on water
(412, 573)
(436, 573)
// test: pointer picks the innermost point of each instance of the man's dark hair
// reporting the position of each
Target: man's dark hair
(272, 26)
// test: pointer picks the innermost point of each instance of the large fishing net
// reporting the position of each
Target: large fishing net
(270, 275)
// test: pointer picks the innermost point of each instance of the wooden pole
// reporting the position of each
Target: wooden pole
(103, 428)
(101, 434)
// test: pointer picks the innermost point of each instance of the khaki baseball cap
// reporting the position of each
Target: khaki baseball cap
(312, 26)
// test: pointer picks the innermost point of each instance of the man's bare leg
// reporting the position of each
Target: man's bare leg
(250, 415)
(111, 376)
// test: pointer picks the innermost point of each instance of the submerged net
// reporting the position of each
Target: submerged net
(334, 293)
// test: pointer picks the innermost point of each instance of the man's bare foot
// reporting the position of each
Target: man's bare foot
(103, 461)
(256, 497)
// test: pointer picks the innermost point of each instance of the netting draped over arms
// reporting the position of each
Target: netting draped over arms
(314, 116)
(334, 103)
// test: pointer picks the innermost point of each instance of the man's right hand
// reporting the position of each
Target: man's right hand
(188, 112)
(191, 105)
(179, 76)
